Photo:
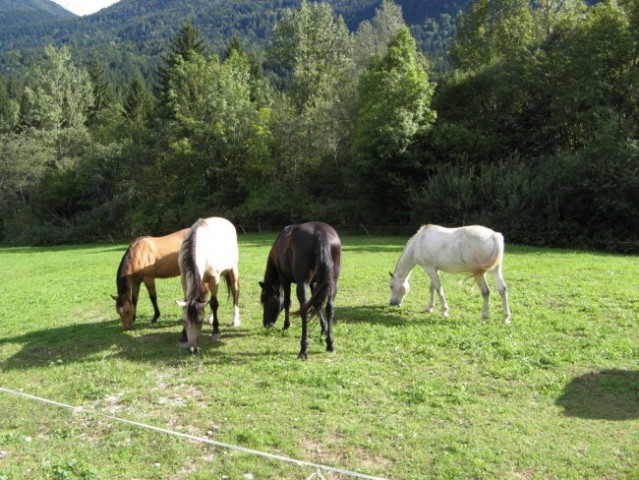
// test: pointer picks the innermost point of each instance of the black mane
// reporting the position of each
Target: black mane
(121, 280)
(189, 266)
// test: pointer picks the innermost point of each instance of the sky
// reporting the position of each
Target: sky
(85, 7)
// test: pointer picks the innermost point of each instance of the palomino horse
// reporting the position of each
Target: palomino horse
(146, 259)
(208, 253)
(309, 255)
(474, 249)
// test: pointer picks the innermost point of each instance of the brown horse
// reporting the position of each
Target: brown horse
(146, 259)
(309, 255)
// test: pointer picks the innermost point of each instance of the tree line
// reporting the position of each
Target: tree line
(533, 130)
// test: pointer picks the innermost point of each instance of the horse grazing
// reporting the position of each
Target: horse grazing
(146, 259)
(208, 253)
(474, 249)
(308, 255)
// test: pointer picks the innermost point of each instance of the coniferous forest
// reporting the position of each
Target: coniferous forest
(530, 126)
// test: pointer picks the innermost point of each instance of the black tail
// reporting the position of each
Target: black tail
(323, 281)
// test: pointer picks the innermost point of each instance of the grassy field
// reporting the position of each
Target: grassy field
(406, 395)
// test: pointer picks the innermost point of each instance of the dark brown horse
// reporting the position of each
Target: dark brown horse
(308, 255)
(146, 259)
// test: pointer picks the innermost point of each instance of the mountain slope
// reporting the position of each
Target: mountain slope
(141, 28)
(14, 12)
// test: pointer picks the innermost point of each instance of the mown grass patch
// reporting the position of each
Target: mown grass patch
(407, 395)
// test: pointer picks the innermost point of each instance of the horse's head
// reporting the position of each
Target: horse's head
(193, 320)
(273, 302)
(399, 289)
(126, 310)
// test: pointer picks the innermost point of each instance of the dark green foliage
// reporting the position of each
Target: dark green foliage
(534, 133)
(130, 34)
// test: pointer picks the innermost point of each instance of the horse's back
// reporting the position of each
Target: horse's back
(460, 249)
(295, 250)
(218, 238)
(156, 256)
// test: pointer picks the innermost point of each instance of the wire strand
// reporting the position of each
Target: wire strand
(300, 463)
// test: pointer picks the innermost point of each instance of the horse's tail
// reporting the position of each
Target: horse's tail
(498, 256)
(495, 259)
(324, 285)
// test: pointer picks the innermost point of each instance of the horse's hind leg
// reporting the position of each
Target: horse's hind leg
(235, 291)
(304, 342)
(322, 316)
(301, 296)
(503, 292)
(330, 312)
(213, 302)
(485, 293)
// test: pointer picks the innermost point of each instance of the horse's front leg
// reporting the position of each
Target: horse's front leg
(135, 294)
(287, 304)
(436, 286)
(149, 283)
(216, 324)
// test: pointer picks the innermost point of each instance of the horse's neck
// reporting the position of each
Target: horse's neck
(271, 276)
(406, 261)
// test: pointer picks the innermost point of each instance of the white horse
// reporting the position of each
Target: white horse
(208, 253)
(474, 249)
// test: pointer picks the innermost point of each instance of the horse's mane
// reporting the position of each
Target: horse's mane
(121, 278)
(189, 265)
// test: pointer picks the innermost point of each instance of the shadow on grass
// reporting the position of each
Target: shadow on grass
(605, 395)
(374, 315)
(82, 342)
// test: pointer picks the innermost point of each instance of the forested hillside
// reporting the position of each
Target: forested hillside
(130, 33)
(534, 131)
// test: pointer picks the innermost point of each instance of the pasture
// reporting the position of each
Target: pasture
(406, 395)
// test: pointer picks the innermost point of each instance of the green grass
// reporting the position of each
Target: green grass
(407, 395)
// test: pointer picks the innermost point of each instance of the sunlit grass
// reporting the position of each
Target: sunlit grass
(406, 395)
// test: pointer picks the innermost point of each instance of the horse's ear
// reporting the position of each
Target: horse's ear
(261, 284)
(391, 274)
(114, 298)
(181, 303)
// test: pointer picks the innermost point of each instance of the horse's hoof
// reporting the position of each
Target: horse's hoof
(302, 356)
(330, 348)
(216, 336)
(194, 349)
(507, 320)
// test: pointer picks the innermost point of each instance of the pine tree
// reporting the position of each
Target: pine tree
(186, 42)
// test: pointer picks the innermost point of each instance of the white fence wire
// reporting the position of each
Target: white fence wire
(300, 463)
